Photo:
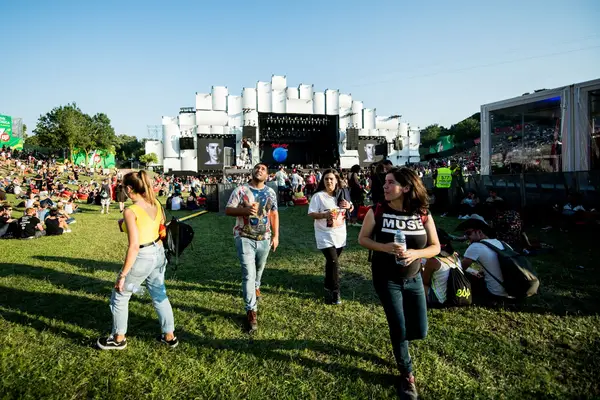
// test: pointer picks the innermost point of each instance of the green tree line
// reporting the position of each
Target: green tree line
(67, 127)
(467, 129)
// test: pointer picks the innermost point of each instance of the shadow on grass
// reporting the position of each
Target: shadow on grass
(21, 307)
(82, 263)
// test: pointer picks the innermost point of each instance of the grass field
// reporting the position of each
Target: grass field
(54, 296)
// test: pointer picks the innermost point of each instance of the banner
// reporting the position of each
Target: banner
(445, 143)
(97, 159)
(6, 137)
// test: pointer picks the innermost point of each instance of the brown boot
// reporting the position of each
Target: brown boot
(252, 321)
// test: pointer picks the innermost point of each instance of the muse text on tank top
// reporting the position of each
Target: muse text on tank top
(385, 229)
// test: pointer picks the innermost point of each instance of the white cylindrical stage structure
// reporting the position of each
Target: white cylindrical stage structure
(216, 130)
(368, 118)
(211, 118)
(219, 98)
(234, 110)
(172, 164)
(187, 122)
(332, 102)
(250, 118)
(249, 98)
(345, 118)
(279, 101)
(403, 129)
(156, 147)
(189, 161)
(203, 101)
(171, 137)
(345, 100)
(306, 92)
(292, 93)
(264, 97)
(319, 103)
(357, 114)
(278, 82)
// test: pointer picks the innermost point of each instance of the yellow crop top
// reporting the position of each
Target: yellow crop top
(147, 228)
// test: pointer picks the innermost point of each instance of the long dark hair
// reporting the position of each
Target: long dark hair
(321, 185)
(416, 200)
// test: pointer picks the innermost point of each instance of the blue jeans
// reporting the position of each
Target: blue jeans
(253, 258)
(149, 267)
(405, 308)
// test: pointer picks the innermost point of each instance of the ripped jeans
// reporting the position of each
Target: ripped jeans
(149, 267)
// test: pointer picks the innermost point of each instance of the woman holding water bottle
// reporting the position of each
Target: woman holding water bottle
(400, 232)
(329, 210)
(145, 262)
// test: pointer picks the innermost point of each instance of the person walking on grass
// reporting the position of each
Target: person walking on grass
(105, 196)
(256, 231)
(329, 214)
(145, 262)
(396, 268)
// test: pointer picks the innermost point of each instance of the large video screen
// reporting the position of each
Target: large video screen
(210, 154)
(369, 152)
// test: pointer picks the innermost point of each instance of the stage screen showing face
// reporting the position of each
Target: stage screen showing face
(210, 154)
(367, 150)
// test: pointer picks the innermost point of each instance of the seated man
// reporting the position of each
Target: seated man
(176, 202)
(437, 270)
(55, 225)
(31, 226)
(9, 226)
(488, 290)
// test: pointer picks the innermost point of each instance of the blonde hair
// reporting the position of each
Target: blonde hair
(140, 183)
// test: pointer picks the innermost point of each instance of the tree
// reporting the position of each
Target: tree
(150, 158)
(466, 129)
(61, 128)
(98, 134)
(128, 147)
(431, 134)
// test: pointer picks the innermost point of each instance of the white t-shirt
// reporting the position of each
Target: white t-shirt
(17, 190)
(280, 176)
(489, 259)
(176, 203)
(334, 236)
(439, 278)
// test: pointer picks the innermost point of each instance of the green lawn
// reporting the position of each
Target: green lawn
(54, 296)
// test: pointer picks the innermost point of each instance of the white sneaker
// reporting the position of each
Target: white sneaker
(102, 211)
(67, 231)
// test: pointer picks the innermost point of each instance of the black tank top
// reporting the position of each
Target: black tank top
(387, 222)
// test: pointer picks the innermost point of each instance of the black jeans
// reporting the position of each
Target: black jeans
(405, 308)
(332, 268)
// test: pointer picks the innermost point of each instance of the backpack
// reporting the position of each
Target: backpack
(103, 194)
(458, 290)
(178, 237)
(519, 279)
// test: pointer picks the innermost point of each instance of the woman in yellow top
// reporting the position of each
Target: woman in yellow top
(145, 262)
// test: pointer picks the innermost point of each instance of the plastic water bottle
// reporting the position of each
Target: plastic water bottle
(135, 289)
(400, 238)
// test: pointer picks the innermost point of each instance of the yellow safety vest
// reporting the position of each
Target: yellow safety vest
(444, 178)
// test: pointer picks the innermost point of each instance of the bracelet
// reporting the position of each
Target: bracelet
(122, 275)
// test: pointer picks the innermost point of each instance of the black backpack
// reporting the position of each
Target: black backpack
(458, 290)
(519, 279)
(179, 236)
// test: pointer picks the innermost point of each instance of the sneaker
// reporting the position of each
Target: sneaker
(101, 211)
(258, 293)
(171, 343)
(252, 321)
(73, 222)
(67, 231)
(109, 343)
(408, 389)
(336, 298)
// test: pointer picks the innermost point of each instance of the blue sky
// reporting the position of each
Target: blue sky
(430, 61)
